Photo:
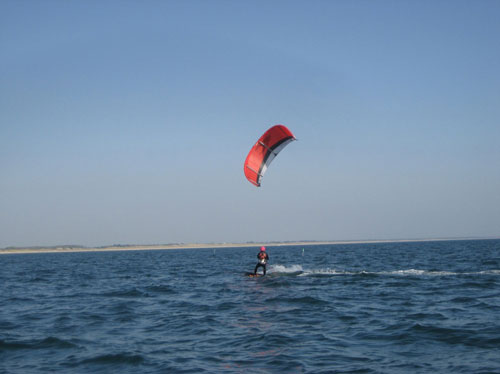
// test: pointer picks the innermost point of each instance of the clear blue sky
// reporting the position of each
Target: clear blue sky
(129, 121)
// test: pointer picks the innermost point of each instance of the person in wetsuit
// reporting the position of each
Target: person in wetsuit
(263, 258)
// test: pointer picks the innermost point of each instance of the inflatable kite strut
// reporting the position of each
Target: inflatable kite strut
(264, 151)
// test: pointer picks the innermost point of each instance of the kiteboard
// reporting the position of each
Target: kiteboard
(252, 275)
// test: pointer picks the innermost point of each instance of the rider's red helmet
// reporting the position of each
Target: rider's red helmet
(262, 249)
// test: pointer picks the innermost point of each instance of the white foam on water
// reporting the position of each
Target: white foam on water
(285, 269)
(490, 272)
(402, 272)
(438, 273)
(291, 269)
(418, 272)
(326, 271)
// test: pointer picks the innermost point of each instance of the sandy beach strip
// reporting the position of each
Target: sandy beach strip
(153, 247)
(67, 249)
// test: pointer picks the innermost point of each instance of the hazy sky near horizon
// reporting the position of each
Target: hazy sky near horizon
(129, 121)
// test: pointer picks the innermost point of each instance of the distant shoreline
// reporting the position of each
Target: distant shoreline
(159, 247)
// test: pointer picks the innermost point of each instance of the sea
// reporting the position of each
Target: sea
(400, 307)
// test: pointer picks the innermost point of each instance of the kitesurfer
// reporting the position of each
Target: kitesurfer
(263, 258)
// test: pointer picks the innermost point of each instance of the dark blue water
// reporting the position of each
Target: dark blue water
(427, 307)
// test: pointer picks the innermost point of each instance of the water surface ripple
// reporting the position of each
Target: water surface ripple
(422, 307)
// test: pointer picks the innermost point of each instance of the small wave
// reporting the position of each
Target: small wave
(422, 316)
(53, 342)
(133, 292)
(16, 299)
(13, 345)
(49, 342)
(302, 300)
(37, 279)
(6, 325)
(308, 300)
(444, 334)
(160, 288)
(119, 358)
(484, 341)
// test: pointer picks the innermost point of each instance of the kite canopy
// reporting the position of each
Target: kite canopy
(264, 151)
